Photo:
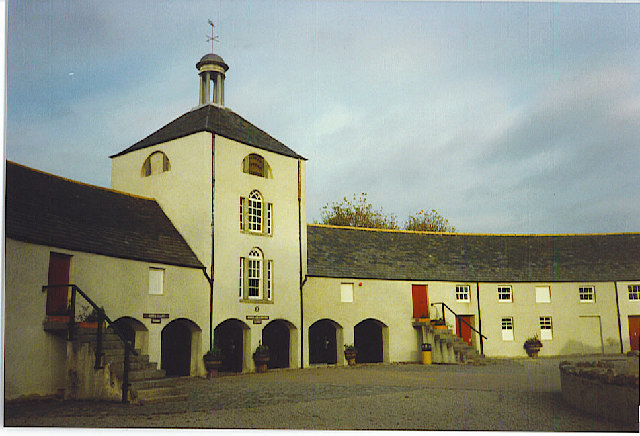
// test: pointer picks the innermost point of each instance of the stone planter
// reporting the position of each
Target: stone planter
(212, 365)
(532, 351)
(350, 355)
(261, 361)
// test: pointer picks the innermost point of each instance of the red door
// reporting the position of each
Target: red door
(463, 330)
(634, 332)
(420, 301)
(57, 298)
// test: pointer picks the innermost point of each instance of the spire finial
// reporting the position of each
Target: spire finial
(212, 37)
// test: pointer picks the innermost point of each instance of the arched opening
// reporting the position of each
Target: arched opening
(229, 337)
(276, 335)
(156, 163)
(368, 340)
(256, 165)
(179, 347)
(323, 342)
(134, 331)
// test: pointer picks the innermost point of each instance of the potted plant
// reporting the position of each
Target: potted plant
(261, 357)
(532, 346)
(423, 318)
(89, 317)
(439, 324)
(350, 352)
(212, 361)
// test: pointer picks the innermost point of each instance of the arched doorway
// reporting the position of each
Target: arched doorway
(229, 337)
(368, 340)
(133, 331)
(276, 336)
(177, 352)
(323, 347)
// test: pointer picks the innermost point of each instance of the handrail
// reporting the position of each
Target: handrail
(102, 316)
(458, 319)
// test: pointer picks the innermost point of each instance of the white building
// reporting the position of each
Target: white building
(203, 239)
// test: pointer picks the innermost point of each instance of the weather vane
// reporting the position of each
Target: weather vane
(212, 37)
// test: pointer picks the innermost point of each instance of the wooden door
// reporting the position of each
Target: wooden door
(463, 330)
(58, 298)
(420, 301)
(634, 332)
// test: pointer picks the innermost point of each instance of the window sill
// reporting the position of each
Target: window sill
(255, 301)
(249, 232)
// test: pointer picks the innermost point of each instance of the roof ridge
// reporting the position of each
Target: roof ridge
(76, 182)
(369, 229)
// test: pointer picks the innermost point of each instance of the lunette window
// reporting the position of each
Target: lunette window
(462, 293)
(156, 163)
(256, 165)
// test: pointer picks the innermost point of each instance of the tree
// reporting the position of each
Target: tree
(430, 221)
(357, 212)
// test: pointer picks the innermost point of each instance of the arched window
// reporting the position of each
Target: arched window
(156, 163)
(256, 215)
(255, 212)
(254, 274)
(256, 277)
(256, 165)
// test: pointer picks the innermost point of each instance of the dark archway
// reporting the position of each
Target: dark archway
(368, 341)
(323, 342)
(229, 337)
(176, 347)
(128, 326)
(276, 336)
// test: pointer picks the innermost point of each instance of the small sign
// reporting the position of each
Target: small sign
(257, 319)
(156, 318)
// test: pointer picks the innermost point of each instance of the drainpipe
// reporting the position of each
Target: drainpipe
(301, 281)
(479, 318)
(615, 284)
(213, 196)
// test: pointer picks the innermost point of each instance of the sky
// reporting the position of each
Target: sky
(503, 117)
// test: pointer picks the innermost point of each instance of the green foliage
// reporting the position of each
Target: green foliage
(214, 353)
(350, 348)
(357, 212)
(430, 221)
(533, 342)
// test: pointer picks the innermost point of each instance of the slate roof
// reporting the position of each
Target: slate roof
(396, 255)
(45, 209)
(218, 120)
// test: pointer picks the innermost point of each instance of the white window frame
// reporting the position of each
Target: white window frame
(543, 294)
(463, 293)
(255, 279)
(156, 281)
(546, 328)
(501, 292)
(269, 215)
(269, 279)
(634, 292)
(242, 266)
(254, 212)
(507, 328)
(346, 292)
(587, 294)
(242, 205)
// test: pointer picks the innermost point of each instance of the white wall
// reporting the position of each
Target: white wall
(34, 359)
(627, 307)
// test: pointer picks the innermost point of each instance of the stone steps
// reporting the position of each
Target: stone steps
(147, 383)
(446, 347)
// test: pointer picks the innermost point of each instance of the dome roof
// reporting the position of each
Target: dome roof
(211, 58)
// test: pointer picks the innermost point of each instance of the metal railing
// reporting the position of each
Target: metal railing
(458, 319)
(102, 317)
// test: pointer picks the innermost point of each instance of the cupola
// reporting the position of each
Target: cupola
(211, 69)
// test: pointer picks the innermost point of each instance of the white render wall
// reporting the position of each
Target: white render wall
(578, 327)
(119, 285)
(282, 246)
(627, 308)
(183, 192)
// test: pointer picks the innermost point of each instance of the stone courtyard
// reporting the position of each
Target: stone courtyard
(499, 394)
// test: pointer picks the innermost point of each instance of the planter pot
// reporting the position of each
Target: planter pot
(212, 365)
(440, 327)
(261, 361)
(423, 319)
(90, 325)
(351, 357)
(532, 351)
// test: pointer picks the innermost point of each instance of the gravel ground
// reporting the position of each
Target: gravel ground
(510, 395)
